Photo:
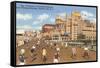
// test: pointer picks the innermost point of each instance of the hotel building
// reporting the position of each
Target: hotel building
(72, 28)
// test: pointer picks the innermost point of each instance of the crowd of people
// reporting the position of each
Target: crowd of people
(44, 53)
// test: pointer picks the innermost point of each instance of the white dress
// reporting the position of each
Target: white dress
(58, 49)
(22, 63)
(74, 50)
(55, 61)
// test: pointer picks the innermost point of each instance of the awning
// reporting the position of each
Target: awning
(76, 43)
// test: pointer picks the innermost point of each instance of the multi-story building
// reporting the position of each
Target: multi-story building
(48, 29)
(76, 27)
(72, 28)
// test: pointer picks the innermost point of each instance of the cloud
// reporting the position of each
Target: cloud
(87, 13)
(24, 16)
(38, 27)
(40, 19)
(89, 16)
(62, 14)
(52, 20)
(24, 27)
(36, 22)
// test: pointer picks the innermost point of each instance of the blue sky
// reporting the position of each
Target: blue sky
(30, 16)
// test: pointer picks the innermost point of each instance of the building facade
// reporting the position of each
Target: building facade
(76, 27)
(72, 28)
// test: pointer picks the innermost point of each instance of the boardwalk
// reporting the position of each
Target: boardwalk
(65, 53)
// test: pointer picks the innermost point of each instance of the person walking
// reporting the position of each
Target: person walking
(74, 52)
(44, 53)
(22, 57)
(86, 52)
(57, 49)
(56, 58)
(32, 50)
(33, 53)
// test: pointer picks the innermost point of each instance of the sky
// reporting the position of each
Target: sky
(34, 16)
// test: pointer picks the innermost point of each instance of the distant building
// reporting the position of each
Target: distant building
(73, 27)
(20, 32)
(47, 30)
(48, 27)
(29, 33)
